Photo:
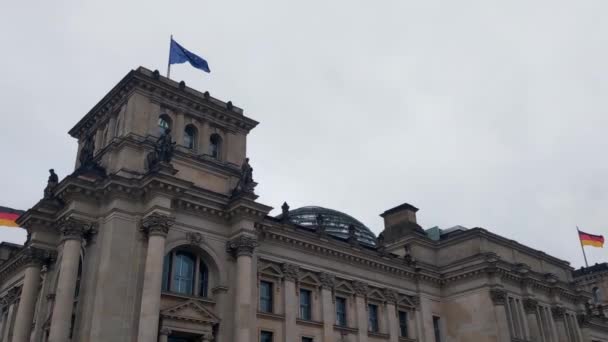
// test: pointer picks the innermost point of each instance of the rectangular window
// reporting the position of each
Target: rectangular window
(307, 339)
(305, 305)
(265, 336)
(403, 323)
(437, 328)
(341, 311)
(372, 314)
(266, 296)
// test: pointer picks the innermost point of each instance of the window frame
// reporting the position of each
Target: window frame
(263, 332)
(270, 300)
(200, 280)
(163, 118)
(373, 321)
(308, 307)
(216, 152)
(192, 136)
(345, 301)
(403, 325)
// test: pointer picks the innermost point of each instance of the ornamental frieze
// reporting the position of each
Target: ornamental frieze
(360, 288)
(291, 272)
(328, 281)
(391, 295)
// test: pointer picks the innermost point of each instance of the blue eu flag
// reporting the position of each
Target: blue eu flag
(178, 54)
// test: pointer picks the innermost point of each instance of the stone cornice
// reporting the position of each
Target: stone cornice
(26, 256)
(167, 92)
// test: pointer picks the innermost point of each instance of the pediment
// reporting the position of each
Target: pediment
(377, 295)
(191, 311)
(406, 301)
(344, 287)
(271, 270)
(309, 278)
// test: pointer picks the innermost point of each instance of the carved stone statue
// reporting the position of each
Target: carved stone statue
(163, 150)
(246, 183)
(285, 212)
(51, 184)
(88, 165)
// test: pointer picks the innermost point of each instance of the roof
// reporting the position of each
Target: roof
(597, 268)
(404, 206)
(335, 222)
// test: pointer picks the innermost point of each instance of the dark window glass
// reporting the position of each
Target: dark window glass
(307, 339)
(215, 146)
(341, 311)
(437, 329)
(596, 295)
(166, 271)
(265, 336)
(183, 275)
(189, 136)
(372, 315)
(305, 305)
(265, 296)
(403, 323)
(163, 124)
(203, 279)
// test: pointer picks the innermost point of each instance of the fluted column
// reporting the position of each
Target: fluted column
(499, 297)
(11, 300)
(242, 248)
(558, 313)
(33, 258)
(361, 307)
(156, 226)
(328, 282)
(531, 308)
(72, 231)
(391, 315)
(290, 277)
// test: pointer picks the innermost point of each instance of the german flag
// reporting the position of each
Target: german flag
(590, 239)
(8, 217)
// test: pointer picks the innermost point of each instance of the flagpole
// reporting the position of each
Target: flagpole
(169, 61)
(582, 247)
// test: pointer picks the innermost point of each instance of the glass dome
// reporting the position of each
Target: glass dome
(336, 223)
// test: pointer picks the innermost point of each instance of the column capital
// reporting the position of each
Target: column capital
(498, 296)
(530, 305)
(291, 272)
(242, 245)
(164, 331)
(75, 229)
(328, 280)
(157, 224)
(10, 297)
(558, 312)
(391, 296)
(360, 288)
(33, 256)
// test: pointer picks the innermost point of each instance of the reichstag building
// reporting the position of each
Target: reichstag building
(157, 235)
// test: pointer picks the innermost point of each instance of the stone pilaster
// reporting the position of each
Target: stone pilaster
(531, 309)
(242, 248)
(328, 283)
(499, 298)
(559, 313)
(156, 227)
(290, 276)
(361, 289)
(34, 258)
(392, 314)
(72, 232)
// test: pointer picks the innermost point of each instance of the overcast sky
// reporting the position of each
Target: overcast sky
(481, 113)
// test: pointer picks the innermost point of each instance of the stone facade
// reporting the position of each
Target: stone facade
(122, 250)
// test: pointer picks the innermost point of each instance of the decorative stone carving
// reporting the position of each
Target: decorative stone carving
(415, 300)
(51, 184)
(75, 229)
(194, 238)
(530, 305)
(391, 295)
(163, 151)
(88, 165)
(360, 288)
(157, 224)
(291, 272)
(246, 184)
(11, 297)
(165, 332)
(285, 212)
(328, 281)
(498, 296)
(558, 312)
(242, 245)
(37, 256)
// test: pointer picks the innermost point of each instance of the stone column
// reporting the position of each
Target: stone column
(290, 277)
(164, 335)
(11, 300)
(531, 309)
(499, 297)
(33, 258)
(392, 317)
(361, 305)
(156, 226)
(242, 248)
(559, 313)
(178, 129)
(203, 141)
(72, 231)
(328, 282)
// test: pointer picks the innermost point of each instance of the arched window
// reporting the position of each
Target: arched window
(164, 122)
(596, 295)
(190, 137)
(215, 145)
(181, 274)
